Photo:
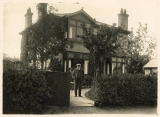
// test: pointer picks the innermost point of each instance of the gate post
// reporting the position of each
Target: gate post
(68, 89)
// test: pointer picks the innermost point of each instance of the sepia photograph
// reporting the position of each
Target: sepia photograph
(69, 57)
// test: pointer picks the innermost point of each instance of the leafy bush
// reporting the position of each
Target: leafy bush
(87, 81)
(24, 91)
(55, 65)
(125, 89)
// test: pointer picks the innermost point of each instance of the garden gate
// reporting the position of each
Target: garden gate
(60, 84)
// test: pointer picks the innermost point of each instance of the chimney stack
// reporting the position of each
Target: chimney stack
(42, 9)
(123, 19)
(28, 18)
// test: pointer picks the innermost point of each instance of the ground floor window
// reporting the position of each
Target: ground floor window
(118, 65)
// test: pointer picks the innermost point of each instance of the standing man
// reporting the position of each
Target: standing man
(78, 75)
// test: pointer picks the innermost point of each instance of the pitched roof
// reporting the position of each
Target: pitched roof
(69, 15)
(28, 28)
(151, 63)
(81, 11)
(74, 13)
(60, 15)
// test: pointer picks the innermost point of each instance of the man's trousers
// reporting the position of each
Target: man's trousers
(77, 86)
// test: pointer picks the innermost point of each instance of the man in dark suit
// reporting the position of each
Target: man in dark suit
(78, 75)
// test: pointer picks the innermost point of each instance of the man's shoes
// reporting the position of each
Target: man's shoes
(75, 96)
(80, 96)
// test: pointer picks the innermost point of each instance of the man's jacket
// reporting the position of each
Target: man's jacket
(78, 75)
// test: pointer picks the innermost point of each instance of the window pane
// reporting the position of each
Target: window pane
(123, 60)
(113, 68)
(125, 69)
(95, 30)
(119, 67)
(72, 22)
(79, 24)
(72, 32)
(88, 25)
(119, 59)
(113, 58)
(79, 31)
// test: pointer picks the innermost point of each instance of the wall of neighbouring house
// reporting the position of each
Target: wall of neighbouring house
(148, 70)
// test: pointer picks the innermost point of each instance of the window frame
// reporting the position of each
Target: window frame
(76, 26)
(122, 62)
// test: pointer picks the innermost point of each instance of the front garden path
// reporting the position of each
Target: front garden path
(80, 101)
(83, 105)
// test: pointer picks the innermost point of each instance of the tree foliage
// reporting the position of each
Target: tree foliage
(141, 48)
(142, 43)
(102, 44)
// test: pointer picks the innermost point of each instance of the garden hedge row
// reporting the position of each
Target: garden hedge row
(24, 91)
(125, 89)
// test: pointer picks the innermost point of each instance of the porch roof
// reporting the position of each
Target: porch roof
(152, 63)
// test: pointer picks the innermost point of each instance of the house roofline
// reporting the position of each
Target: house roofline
(69, 15)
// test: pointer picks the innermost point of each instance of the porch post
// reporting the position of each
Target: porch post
(47, 63)
(101, 67)
(86, 66)
(107, 68)
(44, 64)
(122, 68)
(69, 63)
(104, 66)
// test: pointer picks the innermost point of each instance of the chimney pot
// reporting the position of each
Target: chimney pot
(28, 18)
(29, 10)
(121, 10)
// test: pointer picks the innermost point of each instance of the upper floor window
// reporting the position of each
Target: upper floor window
(95, 31)
(75, 28)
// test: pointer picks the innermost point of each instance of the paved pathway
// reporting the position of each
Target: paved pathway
(80, 101)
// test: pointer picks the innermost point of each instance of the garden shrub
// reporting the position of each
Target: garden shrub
(125, 89)
(24, 91)
(87, 81)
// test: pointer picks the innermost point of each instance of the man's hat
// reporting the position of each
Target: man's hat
(78, 64)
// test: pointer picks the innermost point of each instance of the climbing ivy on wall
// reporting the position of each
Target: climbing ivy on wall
(46, 38)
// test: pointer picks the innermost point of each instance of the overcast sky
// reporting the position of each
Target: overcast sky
(144, 11)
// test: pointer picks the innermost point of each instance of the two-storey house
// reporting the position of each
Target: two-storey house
(78, 54)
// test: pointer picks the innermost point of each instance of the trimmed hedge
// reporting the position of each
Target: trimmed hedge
(125, 89)
(24, 91)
